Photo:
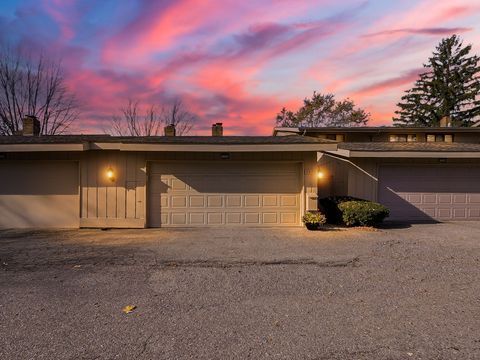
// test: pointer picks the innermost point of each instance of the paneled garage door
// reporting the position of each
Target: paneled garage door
(224, 193)
(39, 194)
(442, 192)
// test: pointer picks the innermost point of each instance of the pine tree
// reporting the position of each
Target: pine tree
(449, 88)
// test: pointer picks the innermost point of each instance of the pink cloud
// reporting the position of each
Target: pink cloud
(381, 87)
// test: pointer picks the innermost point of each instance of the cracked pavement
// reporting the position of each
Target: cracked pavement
(406, 292)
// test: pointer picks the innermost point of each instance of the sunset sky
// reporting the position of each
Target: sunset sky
(236, 62)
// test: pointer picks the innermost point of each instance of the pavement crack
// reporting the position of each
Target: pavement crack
(231, 264)
(144, 345)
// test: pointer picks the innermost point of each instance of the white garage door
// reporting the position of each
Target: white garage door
(442, 192)
(39, 194)
(224, 193)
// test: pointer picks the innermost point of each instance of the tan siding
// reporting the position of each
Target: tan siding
(39, 194)
(111, 198)
(141, 179)
(91, 186)
(105, 202)
(121, 190)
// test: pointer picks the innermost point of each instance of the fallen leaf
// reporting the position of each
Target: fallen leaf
(128, 309)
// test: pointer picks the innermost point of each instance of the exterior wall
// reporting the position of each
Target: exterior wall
(375, 136)
(359, 177)
(117, 203)
(122, 203)
(39, 194)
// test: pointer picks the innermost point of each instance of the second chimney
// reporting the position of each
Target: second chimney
(31, 126)
(169, 130)
(217, 129)
(446, 121)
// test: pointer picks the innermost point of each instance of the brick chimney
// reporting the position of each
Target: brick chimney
(169, 130)
(31, 126)
(217, 129)
(446, 121)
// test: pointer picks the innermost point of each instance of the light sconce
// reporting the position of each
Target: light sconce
(320, 175)
(110, 174)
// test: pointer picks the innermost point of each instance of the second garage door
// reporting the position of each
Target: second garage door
(224, 193)
(441, 192)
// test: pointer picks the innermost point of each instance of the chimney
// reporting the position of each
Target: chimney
(169, 130)
(217, 129)
(31, 126)
(446, 121)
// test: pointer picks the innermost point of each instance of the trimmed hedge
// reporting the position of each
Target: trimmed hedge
(329, 206)
(362, 213)
(356, 211)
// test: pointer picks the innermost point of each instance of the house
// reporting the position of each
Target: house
(420, 174)
(73, 181)
(101, 181)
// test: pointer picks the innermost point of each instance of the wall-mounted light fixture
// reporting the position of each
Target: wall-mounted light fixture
(110, 174)
(320, 174)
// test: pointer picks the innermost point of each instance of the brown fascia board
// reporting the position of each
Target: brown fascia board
(42, 147)
(166, 147)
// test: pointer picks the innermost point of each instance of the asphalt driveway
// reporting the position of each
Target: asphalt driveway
(400, 293)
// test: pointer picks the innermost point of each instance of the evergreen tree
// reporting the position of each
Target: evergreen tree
(450, 87)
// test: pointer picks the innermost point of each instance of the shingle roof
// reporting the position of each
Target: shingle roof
(217, 140)
(412, 146)
(388, 129)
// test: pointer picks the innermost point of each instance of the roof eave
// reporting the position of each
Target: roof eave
(407, 154)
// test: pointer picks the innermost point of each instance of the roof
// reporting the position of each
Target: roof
(376, 129)
(203, 140)
(407, 150)
(409, 146)
(164, 143)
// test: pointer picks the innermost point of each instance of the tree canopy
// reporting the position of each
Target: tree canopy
(450, 87)
(323, 110)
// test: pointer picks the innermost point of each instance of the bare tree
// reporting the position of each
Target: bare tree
(132, 121)
(34, 86)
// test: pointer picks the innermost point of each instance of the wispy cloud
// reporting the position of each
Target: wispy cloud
(236, 62)
(423, 31)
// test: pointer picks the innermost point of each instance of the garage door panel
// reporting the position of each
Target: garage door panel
(229, 194)
(430, 192)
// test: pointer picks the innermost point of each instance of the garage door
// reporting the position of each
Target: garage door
(216, 193)
(39, 194)
(443, 192)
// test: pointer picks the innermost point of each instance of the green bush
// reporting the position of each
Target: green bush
(362, 213)
(329, 206)
(314, 218)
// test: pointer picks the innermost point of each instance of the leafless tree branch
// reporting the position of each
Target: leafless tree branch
(34, 86)
(133, 122)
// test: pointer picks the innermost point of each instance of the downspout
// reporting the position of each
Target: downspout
(338, 157)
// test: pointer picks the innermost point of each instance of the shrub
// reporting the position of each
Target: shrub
(329, 206)
(314, 218)
(362, 213)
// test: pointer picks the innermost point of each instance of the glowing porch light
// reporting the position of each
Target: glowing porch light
(110, 174)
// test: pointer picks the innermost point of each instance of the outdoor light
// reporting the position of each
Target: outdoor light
(320, 174)
(110, 174)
